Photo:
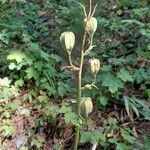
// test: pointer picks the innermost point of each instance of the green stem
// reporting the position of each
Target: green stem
(94, 80)
(70, 61)
(79, 90)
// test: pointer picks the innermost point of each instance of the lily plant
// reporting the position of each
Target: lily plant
(84, 105)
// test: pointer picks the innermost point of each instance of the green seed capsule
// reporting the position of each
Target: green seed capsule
(85, 106)
(91, 25)
(95, 65)
(67, 40)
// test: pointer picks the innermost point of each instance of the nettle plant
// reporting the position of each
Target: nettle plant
(67, 39)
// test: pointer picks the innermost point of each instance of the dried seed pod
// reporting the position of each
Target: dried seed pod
(67, 40)
(85, 106)
(91, 25)
(95, 65)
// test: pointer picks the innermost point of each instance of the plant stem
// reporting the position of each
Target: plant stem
(70, 61)
(79, 90)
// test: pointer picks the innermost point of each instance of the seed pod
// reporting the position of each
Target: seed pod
(95, 65)
(91, 25)
(67, 40)
(85, 106)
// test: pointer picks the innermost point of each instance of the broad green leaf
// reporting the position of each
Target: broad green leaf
(72, 118)
(65, 109)
(25, 112)
(142, 75)
(14, 105)
(61, 91)
(19, 82)
(56, 57)
(106, 67)
(103, 100)
(38, 142)
(92, 136)
(5, 82)
(32, 73)
(122, 146)
(3, 1)
(16, 55)
(43, 98)
(113, 83)
(12, 66)
(96, 136)
(45, 55)
(33, 46)
(124, 75)
(51, 110)
(147, 143)
(85, 137)
(22, 1)
(117, 61)
(127, 135)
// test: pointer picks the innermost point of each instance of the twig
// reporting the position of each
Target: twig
(72, 68)
(67, 138)
(95, 146)
(94, 10)
(90, 9)
(70, 61)
(144, 59)
(84, 10)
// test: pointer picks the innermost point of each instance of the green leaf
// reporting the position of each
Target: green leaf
(38, 142)
(106, 67)
(12, 66)
(122, 146)
(7, 127)
(127, 105)
(51, 110)
(22, 1)
(5, 82)
(103, 100)
(45, 55)
(3, 1)
(71, 117)
(13, 105)
(16, 55)
(142, 75)
(147, 143)
(85, 137)
(117, 61)
(19, 82)
(32, 72)
(33, 46)
(113, 83)
(25, 112)
(65, 109)
(135, 109)
(127, 135)
(93, 137)
(61, 91)
(96, 136)
(56, 57)
(124, 75)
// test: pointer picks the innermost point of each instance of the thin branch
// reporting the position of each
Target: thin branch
(90, 9)
(84, 10)
(67, 139)
(94, 10)
(72, 68)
